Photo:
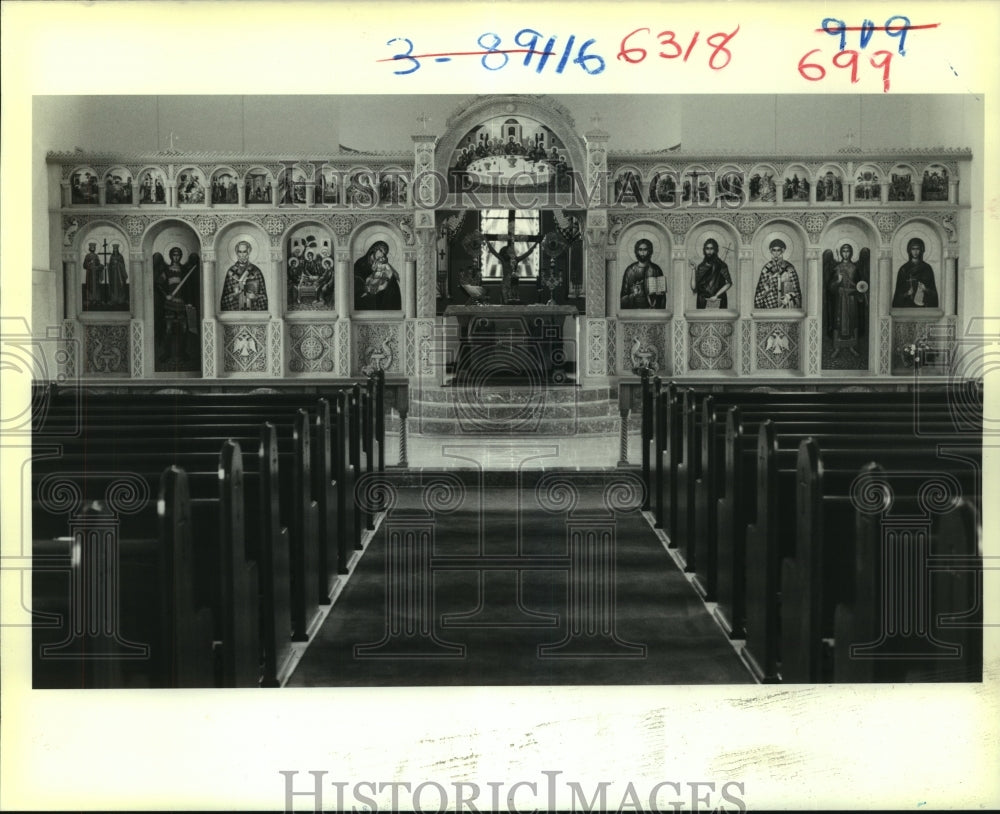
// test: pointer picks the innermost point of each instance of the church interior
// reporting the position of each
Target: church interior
(506, 389)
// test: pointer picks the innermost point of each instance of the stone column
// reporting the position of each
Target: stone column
(73, 306)
(342, 291)
(410, 287)
(65, 193)
(882, 296)
(949, 290)
(208, 301)
(275, 287)
(680, 279)
(814, 279)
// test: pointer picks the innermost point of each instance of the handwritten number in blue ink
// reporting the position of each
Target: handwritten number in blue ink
(545, 55)
(566, 53)
(492, 51)
(836, 28)
(867, 29)
(899, 32)
(530, 43)
(406, 55)
(582, 58)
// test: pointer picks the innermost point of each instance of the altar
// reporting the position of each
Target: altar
(514, 344)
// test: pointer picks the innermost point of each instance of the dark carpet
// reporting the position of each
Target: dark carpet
(562, 583)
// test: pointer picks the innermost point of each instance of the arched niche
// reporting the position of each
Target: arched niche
(851, 295)
(118, 186)
(762, 184)
(257, 186)
(152, 186)
(627, 187)
(796, 184)
(830, 184)
(225, 187)
(663, 185)
(377, 261)
(868, 183)
(934, 183)
(902, 183)
(329, 185)
(728, 241)
(191, 186)
(795, 241)
(633, 289)
(730, 185)
(309, 268)
(696, 185)
(104, 266)
(83, 186)
(543, 122)
(920, 283)
(292, 183)
(174, 296)
(243, 289)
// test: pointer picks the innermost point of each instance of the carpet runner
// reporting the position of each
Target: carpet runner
(561, 582)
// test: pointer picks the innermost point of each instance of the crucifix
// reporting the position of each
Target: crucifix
(849, 135)
(171, 137)
(423, 118)
(596, 121)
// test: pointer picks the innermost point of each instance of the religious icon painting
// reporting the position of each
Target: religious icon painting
(83, 186)
(152, 187)
(868, 184)
(663, 188)
(761, 184)
(104, 271)
(191, 186)
(377, 285)
(176, 307)
(830, 185)
(257, 187)
(795, 185)
(901, 183)
(311, 279)
(328, 184)
(225, 187)
(292, 186)
(729, 186)
(118, 186)
(934, 186)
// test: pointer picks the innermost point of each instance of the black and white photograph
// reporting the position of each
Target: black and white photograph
(573, 411)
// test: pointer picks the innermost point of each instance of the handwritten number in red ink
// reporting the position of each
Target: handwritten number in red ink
(884, 65)
(630, 54)
(406, 55)
(851, 62)
(719, 43)
(816, 71)
(492, 51)
(668, 38)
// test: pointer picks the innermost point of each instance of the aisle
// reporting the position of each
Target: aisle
(492, 604)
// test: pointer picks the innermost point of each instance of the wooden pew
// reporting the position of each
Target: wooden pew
(874, 638)
(771, 537)
(735, 502)
(296, 488)
(193, 606)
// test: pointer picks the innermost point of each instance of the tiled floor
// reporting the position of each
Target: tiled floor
(510, 452)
